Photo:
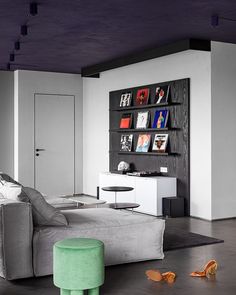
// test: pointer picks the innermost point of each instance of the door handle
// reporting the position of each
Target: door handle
(40, 150)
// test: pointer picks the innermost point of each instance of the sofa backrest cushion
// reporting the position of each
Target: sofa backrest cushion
(4, 176)
(43, 213)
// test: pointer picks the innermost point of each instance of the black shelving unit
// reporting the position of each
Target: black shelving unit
(176, 158)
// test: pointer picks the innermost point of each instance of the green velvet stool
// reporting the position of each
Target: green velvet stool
(78, 265)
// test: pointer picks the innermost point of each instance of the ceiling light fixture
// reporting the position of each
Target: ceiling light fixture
(12, 57)
(215, 20)
(24, 30)
(17, 45)
(33, 8)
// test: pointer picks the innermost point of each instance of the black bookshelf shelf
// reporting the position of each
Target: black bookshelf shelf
(145, 154)
(147, 106)
(144, 130)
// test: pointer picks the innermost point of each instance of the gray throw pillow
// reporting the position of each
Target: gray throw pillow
(43, 213)
(5, 177)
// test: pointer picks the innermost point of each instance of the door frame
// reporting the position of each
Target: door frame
(55, 94)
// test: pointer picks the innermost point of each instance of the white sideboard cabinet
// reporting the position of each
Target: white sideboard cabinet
(148, 191)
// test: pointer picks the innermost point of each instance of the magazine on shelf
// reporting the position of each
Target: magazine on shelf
(160, 143)
(126, 121)
(142, 120)
(160, 119)
(162, 93)
(126, 99)
(143, 143)
(126, 142)
(142, 96)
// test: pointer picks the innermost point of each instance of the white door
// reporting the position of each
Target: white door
(54, 144)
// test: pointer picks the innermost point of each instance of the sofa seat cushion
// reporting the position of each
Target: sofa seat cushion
(127, 237)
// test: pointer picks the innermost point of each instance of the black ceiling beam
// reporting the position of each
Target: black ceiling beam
(194, 44)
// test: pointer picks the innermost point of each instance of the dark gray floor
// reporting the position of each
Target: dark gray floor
(130, 279)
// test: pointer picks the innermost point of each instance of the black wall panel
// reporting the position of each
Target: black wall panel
(177, 160)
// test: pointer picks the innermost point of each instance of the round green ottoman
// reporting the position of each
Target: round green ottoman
(78, 264)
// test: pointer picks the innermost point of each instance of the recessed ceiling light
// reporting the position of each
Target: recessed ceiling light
(24, 30)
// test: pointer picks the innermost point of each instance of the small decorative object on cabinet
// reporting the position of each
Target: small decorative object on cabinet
(173, 207)
(126, 121)
(143, 143)
(123, 166)
(160, 143)
(162, 94)
(142, 120)
(126, 142)
(160, 119)
(126, 99)
(142, 96)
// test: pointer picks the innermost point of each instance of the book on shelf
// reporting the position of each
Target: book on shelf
(142, 120)
(126, 99)
(126, 141)
(126, 121)
(142, 96)
(160, 119)
(160, 143)
(143, 143)
(162, 94)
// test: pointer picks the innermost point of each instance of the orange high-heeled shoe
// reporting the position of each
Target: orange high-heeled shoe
(209, 269)
(156, 276)
(169, 276)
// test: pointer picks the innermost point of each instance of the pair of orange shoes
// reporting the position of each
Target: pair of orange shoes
(154, 275)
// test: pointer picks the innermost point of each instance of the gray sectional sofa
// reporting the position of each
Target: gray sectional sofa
(27, 250)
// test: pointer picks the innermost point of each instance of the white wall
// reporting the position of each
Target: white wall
(193, 64)
(223, 130)
(6, 121)
(27, 83)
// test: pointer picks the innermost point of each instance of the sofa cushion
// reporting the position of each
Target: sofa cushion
(43, 213)
(5, 177)
(11, 190)
(127, 237)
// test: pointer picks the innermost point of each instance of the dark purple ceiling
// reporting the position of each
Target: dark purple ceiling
(67, 35)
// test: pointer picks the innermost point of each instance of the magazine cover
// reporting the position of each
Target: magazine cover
(143, 143)
(142, 120)
(125, 99)
(160, 119)
(160, 143)
(142, 96)
(126, 121)
(162, 94)
(126, 142)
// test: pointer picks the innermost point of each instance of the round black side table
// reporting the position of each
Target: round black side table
(118, 189)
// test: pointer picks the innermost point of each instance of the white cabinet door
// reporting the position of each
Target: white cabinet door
(107, 179)
(146, 195)
(166, 187)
